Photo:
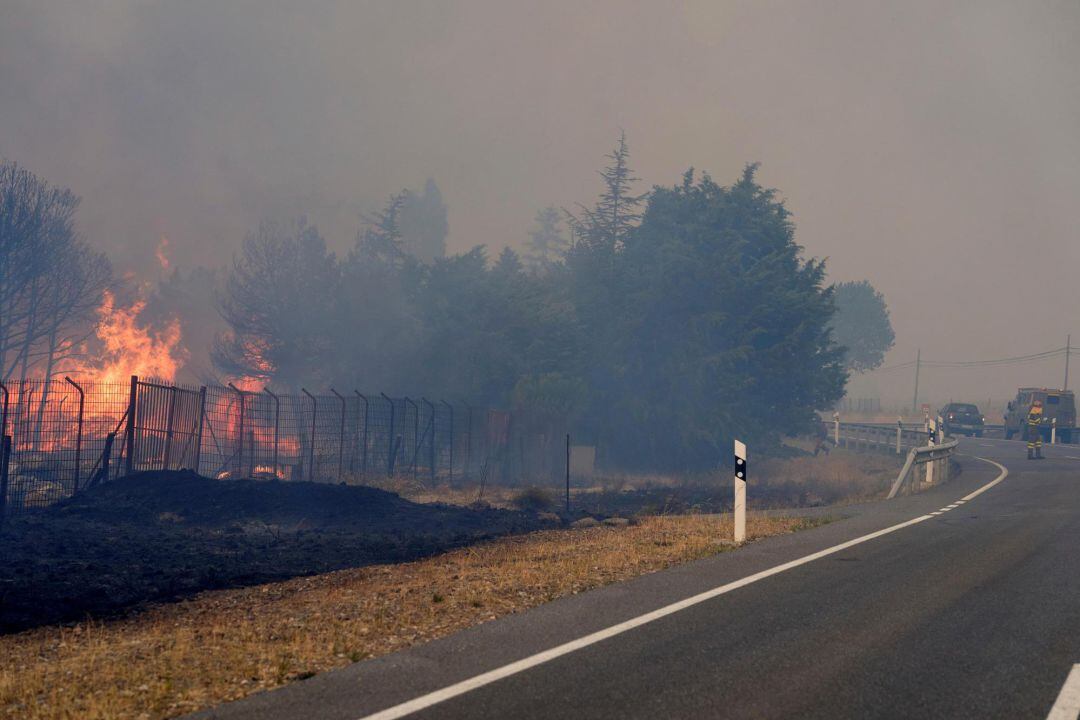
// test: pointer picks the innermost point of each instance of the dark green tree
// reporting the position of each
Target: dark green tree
(862, 325)
(725, 331)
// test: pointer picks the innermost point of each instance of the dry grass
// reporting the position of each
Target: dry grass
(222, 645)
(840, 477)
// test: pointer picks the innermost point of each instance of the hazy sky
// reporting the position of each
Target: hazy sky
(930, 147)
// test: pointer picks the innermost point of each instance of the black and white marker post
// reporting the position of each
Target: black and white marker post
(740, 491)
(931, 440)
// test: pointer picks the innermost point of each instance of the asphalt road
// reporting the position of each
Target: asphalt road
(970, 613)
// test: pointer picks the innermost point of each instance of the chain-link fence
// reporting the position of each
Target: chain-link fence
(61, 436)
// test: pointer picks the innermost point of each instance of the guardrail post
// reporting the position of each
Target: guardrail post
(836, 428)
(1053, 431)
(899, 433)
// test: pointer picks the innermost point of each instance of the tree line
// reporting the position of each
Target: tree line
(656, 324)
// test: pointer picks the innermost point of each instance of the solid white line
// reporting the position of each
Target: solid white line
(1067, 706)
(1004, 474)
(479, 681)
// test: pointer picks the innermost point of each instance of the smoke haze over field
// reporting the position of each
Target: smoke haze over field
(899, 134)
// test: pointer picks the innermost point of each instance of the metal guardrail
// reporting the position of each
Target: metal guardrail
(928, 456)
(894, 439)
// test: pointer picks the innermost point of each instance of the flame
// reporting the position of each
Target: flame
(162, 253)
(129, 349)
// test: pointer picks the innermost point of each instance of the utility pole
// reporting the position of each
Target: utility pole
(1068, 349)
(915, 397)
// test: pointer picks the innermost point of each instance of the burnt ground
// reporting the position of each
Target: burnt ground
(165, 535)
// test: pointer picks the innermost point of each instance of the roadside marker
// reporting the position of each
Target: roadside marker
(740, 491)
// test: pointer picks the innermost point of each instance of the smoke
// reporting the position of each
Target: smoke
(929, 148)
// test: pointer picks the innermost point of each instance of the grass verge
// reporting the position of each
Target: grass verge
(222, 645)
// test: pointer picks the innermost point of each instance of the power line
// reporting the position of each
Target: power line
(945, 364)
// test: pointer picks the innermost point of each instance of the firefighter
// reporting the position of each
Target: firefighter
(1034, 431)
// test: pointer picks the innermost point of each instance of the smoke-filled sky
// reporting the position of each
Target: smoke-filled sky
(932, 148)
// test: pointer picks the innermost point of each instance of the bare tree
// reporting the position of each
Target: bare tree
(50, 280)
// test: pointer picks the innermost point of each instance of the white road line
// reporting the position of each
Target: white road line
(479, 681)
(1004, 474)
(1067, 706)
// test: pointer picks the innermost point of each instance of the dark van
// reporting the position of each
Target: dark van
(1059, 405)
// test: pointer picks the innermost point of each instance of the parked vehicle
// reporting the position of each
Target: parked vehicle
(1058, 409)
(962, 419)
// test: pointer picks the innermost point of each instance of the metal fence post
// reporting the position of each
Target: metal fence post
(431, 441)
(78, 436)
(277, 415)
(450, 408)
(391, 446)
(363, 452)
(129, 461)
(311, 445)
(4, 410)
(468, 438)
(169, 429)
(416, 433)
(341, 437)
(568, 474)
(5, 457)
(5, 447)
(199, 428)
(240, 439)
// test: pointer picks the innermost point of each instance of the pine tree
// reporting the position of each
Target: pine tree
(606, 225)
(381, 239)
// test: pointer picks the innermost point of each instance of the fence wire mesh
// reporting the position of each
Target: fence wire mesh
(66, 436)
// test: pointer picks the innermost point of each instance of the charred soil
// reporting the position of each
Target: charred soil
(166, 535)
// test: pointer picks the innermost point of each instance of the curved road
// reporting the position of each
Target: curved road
(908, 608)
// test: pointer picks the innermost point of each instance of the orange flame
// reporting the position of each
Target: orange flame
(133, 350)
